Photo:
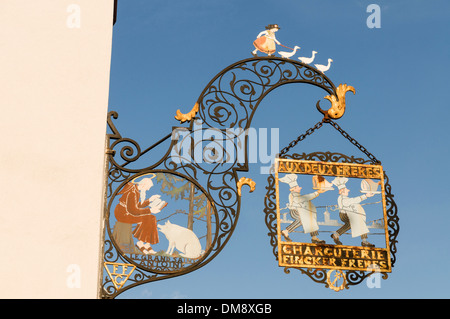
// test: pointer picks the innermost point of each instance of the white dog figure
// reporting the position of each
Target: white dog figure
(182, 239)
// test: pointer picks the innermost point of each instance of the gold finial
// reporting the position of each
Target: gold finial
(337, 102)
(337, 277)
(245, 181)
(182, 117)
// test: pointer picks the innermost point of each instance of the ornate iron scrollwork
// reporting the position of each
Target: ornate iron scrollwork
(232, 96)
(226, 105)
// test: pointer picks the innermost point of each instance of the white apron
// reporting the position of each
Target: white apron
(355, 213)
(306, 210)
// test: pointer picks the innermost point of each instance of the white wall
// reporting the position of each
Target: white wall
(54, 81)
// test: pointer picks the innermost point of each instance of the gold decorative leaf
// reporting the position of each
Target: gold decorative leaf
(183, 117)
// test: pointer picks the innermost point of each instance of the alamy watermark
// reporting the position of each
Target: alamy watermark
(374, 280)
(73, 20)
(73, 280)
(374, 19)
(225, 146)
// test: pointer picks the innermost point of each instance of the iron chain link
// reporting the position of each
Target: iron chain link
(339, 129)
(354, 142)
(301, 138)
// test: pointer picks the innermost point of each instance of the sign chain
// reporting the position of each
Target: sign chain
(353, 141)
(301, 138)
(339, 129)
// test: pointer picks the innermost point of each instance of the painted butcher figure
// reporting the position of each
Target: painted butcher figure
(302, 210)
(351, 213)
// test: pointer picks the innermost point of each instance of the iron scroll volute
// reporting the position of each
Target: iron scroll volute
(228, 101)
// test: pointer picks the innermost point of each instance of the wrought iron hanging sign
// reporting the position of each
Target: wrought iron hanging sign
(313, 195)
(324, 193)
(333, 217)
(171, 215)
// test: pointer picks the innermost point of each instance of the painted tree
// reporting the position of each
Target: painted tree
(199, 207)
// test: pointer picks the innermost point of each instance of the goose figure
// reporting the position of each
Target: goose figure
(308, 60)
(287, 55)
(322, 68)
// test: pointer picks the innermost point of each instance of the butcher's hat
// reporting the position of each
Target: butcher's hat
(340, 182)
(290, 179)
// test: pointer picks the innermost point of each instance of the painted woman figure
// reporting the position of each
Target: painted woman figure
(265, 41)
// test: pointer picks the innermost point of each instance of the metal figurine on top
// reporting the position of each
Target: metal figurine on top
(266, 43)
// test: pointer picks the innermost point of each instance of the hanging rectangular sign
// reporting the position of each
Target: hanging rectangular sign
(331, 215)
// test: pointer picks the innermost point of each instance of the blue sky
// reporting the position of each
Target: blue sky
(165, 52)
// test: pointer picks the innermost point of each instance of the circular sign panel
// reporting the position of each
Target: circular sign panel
(162, 222)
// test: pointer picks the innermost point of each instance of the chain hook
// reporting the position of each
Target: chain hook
(327, 119)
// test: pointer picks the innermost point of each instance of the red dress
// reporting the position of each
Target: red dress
(265, 43)
(131, 211)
